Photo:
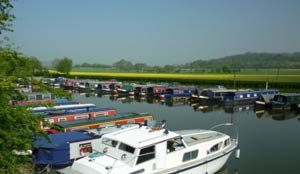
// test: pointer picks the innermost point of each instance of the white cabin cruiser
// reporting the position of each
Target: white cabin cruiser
(156, 150)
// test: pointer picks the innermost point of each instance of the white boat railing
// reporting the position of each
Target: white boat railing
(236, 139)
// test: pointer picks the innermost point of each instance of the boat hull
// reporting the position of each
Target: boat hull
(205, 167)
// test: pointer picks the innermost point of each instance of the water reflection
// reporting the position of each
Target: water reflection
(267, 137)
(278, 115)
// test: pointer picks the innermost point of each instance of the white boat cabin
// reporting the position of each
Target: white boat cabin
(144, 149)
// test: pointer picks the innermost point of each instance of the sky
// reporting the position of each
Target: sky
(155, 32)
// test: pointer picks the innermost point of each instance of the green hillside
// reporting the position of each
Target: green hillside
(253, 61)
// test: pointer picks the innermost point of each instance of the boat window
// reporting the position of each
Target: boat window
(215, 148)
(101, 114)
(190, 155)
(47, 97)
(248, 95)
(62, 119)
(109, 142)
(81, 117)
(241, 96)
(226, 142)
(146, 154)
(255, 95)
(126, 148)
(174, 144)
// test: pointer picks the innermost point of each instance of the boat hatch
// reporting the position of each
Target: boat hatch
(195, 139)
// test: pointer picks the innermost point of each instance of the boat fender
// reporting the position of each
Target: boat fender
(237, 153)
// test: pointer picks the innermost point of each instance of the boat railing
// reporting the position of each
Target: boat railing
(228, 124)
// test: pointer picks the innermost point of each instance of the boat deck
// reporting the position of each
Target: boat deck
(192, 137)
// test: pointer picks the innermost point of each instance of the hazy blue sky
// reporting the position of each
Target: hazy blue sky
(155, 32)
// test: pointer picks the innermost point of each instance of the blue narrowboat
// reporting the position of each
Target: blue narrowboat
(242, 96)
(178, 94)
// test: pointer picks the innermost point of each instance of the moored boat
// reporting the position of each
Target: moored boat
(178, 94)
(120, 119)
(288, 101)
(156, 150)
(64, 148)
(245, 96)
(70, 115)
(77, 107)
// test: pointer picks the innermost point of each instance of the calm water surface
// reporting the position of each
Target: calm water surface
(269, 142)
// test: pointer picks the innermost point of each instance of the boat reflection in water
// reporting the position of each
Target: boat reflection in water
(206, 107)
(278, 115)
(202, 107)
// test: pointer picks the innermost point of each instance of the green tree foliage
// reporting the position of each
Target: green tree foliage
(63, 65)
(19, 126)
(5, 16)
(123, 65)
(140, 67)
(94, 65)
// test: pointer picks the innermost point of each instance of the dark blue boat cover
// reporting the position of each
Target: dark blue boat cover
(58, 151)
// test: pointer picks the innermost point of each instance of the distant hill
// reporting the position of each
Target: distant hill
(253, 60)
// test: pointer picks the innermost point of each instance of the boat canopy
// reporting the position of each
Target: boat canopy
(58, 150)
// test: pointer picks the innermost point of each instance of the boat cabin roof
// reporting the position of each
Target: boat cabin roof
(142, 136)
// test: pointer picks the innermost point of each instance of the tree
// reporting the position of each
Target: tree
(63, 65)
(123, 65)
(5, 16)
(140, 67)
(226, 69)
(19, 127)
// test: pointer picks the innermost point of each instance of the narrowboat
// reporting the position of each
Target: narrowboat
(125, 89)
(71, 115)
(35, 99)
(178, 94)
(77, 107)
(157, 150)
(213, 95)
(69, 84)
(285, 101)
(140, 90)
(156, 90)
(245, 96)
(104, 88)
(105, 121)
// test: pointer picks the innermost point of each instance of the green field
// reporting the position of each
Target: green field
(247, 75)
(287, 80)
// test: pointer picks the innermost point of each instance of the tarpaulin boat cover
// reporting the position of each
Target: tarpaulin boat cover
(57, 152)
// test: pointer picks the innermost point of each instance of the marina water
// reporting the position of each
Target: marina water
(269, 142)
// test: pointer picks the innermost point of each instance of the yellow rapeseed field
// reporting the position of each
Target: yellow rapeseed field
(223, 77)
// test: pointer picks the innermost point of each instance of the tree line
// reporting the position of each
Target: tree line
(227, 64)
